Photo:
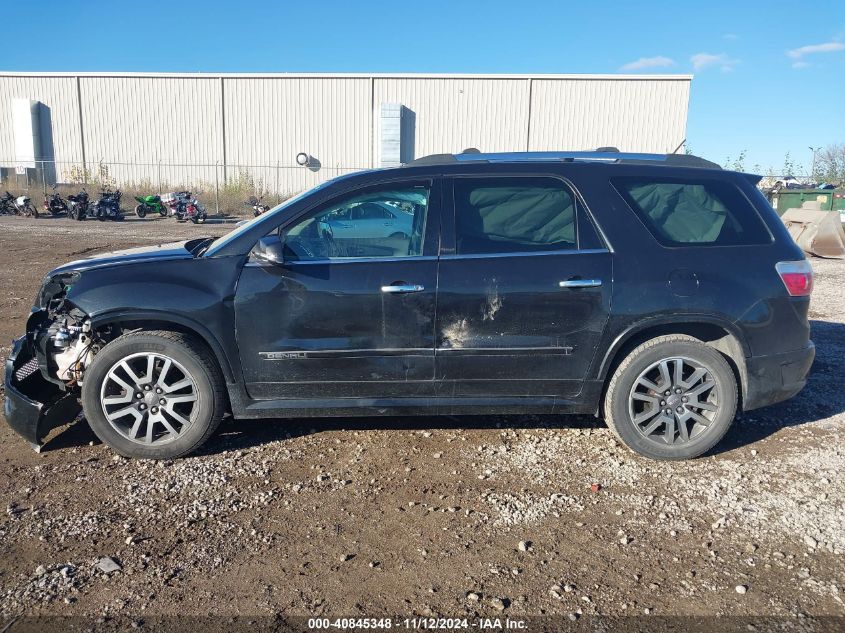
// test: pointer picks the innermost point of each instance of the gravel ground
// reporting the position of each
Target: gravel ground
(518, 516)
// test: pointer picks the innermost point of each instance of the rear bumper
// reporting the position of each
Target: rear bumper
(34, 405)
(777, 377)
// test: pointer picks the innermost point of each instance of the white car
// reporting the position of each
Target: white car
(370, 220)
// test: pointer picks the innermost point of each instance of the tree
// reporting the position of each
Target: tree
(830, 164)
(790, 167)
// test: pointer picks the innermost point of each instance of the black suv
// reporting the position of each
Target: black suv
(659, 292)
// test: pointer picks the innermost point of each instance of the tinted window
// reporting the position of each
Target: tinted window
(362, 225)
(504, 215)
(694, 211)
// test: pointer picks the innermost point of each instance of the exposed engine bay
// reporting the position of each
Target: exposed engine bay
(63, 338)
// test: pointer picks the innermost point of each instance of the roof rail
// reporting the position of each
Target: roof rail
(603, 154)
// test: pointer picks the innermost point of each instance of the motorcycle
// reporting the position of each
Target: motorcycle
(150, 204)
(184, 206)
(257, 207)
(194, 211)
(108, 206)
(176, 202)
(7, 205)
(78, 205)
(54, 203)
(22, 205)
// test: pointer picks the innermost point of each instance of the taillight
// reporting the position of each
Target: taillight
(797, 277)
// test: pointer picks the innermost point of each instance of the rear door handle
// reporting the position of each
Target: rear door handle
(402, 288)
(579, 283)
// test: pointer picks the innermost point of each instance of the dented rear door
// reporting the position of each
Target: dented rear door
(524, 288)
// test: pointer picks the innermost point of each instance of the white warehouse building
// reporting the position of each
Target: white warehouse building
(198, 129)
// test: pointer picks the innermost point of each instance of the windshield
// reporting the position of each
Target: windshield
(267, 217)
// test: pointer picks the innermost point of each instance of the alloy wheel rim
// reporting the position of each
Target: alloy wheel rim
(674, 401)
(149, 398)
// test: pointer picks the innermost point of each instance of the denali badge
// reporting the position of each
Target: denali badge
(283, 355)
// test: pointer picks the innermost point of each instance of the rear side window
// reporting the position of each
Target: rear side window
(507, 215)
(702, 212)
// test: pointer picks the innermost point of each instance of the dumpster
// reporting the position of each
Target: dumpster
(828, 199)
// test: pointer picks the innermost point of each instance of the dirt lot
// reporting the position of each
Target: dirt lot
(443, 516)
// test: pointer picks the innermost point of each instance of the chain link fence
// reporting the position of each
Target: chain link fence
(221, 188)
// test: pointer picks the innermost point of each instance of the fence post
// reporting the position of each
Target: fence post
(217, 187)
(159, 176)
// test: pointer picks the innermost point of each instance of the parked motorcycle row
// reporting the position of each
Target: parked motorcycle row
(181, 205)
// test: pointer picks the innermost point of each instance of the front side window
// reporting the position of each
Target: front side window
(698, 212)
(382, 223)
(507, 215)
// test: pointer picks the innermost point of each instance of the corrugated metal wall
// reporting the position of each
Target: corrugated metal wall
(197, 129)
(144, 121)
(453, 114)
(270, 120)
(58, 94)
(635, 116)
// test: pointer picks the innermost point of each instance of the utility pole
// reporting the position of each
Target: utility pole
(813, 168)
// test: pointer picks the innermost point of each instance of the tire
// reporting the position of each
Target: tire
(33, 210)
(163, 212)
(189, 359)
(140, 211)
(627, 397)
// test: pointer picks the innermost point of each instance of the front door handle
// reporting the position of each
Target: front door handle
(402, 288)
(579, 283)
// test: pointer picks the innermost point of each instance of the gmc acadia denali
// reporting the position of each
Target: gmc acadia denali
(659, 292)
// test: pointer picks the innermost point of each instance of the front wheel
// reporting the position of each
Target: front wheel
(671, 398)
(155, 395)
(33, 210)
(140, 211)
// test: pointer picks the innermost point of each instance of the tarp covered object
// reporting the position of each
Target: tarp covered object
(817, 232)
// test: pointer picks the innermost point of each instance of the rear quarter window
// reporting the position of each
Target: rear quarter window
(693, 211)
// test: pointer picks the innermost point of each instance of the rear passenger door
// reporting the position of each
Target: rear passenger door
(524, 289)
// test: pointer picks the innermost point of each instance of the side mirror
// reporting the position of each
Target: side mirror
(269, 250)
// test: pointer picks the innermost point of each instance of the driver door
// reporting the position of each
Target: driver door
(350, 312)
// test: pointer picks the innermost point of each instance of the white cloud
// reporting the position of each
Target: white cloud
(800, 65)
(700, 61)
(648, 62)
(827, 47)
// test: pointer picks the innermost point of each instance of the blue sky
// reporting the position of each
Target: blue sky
(769, 76)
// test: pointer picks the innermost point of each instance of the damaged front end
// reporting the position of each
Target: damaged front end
(45, 368)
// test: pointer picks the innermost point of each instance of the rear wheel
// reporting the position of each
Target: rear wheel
(155, 395)
(672, 397)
